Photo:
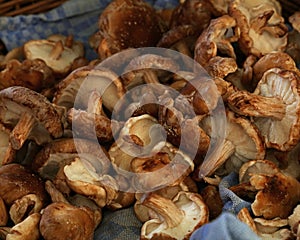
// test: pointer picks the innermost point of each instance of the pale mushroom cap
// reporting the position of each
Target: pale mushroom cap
(280, 134)
(195, 215)
(258, 38)
(27, 229)
(42, 49)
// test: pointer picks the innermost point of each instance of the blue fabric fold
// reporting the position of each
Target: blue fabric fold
(232, 203)
(225, 227)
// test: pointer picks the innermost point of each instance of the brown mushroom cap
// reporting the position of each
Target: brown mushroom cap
(57, 56)
(64, 221)
(17, 100)
(17, 181)
(128, 24)
(33, 74)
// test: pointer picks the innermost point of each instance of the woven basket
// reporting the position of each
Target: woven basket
(19, 7)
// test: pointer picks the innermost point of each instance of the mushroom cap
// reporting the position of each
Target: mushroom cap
(195, 214)
(79, 84)
(28, 229)
(16, 100)
(128, 24)
(242, 141)
(277, 195)
(33, 74)
(280, 60)
(214, 40)
(17, 181)
(262, 28)
(281, 134)
(196, 13)
(43, 49)
(83, 179)
(57, 154)
(64, 221)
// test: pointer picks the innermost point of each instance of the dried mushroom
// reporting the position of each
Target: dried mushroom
(241, 144)
(82, 82)
(167, 166)
(128, 24)
(57, 56)
(28, 229)
(274, 106)
(55, 155)
(178, 218)
(262, 28)
(30, 115)
(16, 181)
(25, 206)
(82, 178)
(277, 194)
(33, 74)
(64, 221)
(216, 40)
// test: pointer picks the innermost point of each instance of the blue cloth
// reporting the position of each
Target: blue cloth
(232, 203)
(225, 227)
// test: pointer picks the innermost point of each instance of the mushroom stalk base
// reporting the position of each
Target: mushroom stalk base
(22, 130)
(167, 209)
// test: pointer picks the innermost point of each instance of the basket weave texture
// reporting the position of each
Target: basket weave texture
(25, 7)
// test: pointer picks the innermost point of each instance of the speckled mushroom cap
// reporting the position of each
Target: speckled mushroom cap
(128, 24)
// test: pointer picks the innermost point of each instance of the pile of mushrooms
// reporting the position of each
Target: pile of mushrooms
(62, 164)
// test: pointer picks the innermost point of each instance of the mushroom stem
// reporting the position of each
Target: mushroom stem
(211, 164)
(95, 103)
(69, 41)
(22, 130)
(150, 76)
(56, 51)
(253, 105)
(166, 208)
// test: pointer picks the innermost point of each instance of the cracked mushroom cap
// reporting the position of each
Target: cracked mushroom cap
(30, 114)
(17, 181)
(65, 221)
(274, 106)
(128, 24)
(178, 218)
(277, 194)
(57, 56)
(241, 144)
(262, 28)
